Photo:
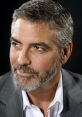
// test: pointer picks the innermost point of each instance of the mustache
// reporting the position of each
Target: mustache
(26, 69)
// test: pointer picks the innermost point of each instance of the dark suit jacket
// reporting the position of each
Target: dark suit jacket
(11, 104)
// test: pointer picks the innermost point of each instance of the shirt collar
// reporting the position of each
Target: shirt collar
(56, 102)
(58, 98)
(25, 100)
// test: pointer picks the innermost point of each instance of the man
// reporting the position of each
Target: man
(37, 86)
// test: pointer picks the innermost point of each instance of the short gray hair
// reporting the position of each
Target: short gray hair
(51, 13)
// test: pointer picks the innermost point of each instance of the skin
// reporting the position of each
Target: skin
(34, 45)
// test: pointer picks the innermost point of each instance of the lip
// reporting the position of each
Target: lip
(23, 74)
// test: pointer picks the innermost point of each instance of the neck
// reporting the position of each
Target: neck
(44, 95)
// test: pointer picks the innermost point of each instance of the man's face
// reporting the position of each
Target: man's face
(34, 55)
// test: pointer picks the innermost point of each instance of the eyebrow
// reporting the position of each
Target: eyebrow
(40, 44)
(13, 39)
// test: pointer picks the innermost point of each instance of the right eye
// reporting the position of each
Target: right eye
(15, 44)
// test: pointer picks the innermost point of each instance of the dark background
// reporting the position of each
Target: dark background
(6, 9)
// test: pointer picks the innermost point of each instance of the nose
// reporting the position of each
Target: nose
(24, 58)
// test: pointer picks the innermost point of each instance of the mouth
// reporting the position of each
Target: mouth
(21, 73)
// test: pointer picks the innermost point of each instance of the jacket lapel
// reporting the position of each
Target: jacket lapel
(72, 96)
(74, 112)
(11, 98)
(15, 105)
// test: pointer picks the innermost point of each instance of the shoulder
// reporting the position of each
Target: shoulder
(72, 87)
(71, 79)
(7, 87)
(4, 78)
(68, 73)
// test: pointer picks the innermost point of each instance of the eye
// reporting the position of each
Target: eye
(39, 48)
(16, 45)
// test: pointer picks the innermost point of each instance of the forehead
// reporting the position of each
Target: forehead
(24, 30)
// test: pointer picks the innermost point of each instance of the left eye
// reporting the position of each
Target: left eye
(38, 49)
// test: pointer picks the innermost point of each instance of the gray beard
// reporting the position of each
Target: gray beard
(40, 80)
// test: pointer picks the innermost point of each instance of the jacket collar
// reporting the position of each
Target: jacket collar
(72, 93)
(8, 88)
(11, 97)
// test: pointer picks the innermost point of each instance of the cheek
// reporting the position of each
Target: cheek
(44, 63)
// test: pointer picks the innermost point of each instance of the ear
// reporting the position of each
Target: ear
(66, 52)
